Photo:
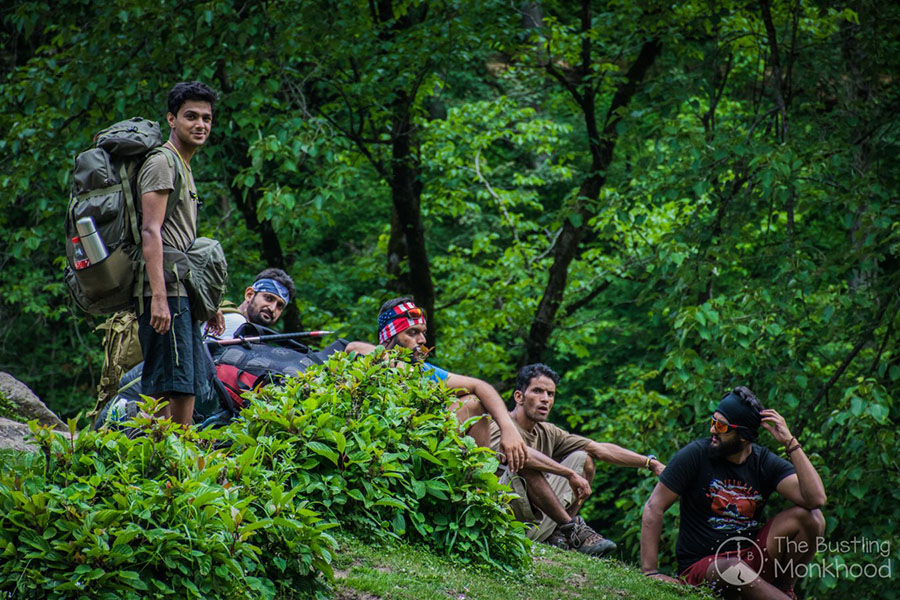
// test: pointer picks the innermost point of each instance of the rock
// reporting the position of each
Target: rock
(13, 434)
(25, 403)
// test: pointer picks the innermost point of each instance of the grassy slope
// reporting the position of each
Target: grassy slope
(371, 572)
(366, 571)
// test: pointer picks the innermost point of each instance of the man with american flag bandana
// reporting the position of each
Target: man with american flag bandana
(402, 323)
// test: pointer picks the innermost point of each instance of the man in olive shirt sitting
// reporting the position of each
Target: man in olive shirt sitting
(559, 468)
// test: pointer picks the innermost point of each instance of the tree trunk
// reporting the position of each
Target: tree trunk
(575, 228)
(270, 247)
(406, 191)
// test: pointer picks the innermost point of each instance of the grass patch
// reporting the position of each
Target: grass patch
(9, 410)
(400, 572)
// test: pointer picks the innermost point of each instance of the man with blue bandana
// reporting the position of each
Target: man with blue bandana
(264, 301)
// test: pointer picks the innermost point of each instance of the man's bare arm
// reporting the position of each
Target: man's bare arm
(651, 529)
(539, 461)
(616, 455)
(805, 488)
(359, 347)
(153, 207)
(511, 442)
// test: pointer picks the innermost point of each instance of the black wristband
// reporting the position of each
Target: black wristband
(651, 573)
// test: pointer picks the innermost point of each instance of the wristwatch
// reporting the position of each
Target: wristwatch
(650, 458)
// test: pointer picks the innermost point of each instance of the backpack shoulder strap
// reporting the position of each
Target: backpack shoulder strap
(229, 307)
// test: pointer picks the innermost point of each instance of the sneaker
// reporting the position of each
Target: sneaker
(558, 539)
(581, 537)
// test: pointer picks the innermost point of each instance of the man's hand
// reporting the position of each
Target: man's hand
(580, 486)
(663, 577)
(513, 447)
(657, 467)
(774, 424)
(160, 317)
(216, 325)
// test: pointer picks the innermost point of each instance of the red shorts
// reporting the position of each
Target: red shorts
(696, 573)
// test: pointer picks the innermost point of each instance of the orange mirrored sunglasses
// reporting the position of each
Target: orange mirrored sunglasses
(415, 313)
(722, 426)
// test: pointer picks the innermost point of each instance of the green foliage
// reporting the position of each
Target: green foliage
(375, 447)
(9, 410)
(99, 515)
(734, 241)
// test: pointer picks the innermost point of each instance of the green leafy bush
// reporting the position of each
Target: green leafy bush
(99, 515)
(376, 447)
(235, 512)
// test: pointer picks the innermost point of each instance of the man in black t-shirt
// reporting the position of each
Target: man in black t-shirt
(724, 482)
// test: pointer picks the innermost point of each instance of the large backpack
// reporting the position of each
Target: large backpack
(121, 352)
(234, 370)
(105, 188)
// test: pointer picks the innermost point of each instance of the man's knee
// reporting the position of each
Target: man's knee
(811, 522)
(466, 407)
(530, 475)
(726, 564)
(589, 468)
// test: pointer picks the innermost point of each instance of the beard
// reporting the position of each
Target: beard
(259, 316)
(724, 448)
(418, 353)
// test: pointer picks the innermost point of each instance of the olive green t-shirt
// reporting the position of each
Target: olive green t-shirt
(180, 229)
(546, 438)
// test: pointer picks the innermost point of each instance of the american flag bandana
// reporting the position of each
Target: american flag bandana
(389, 324)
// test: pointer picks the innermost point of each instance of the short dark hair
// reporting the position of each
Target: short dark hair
(747, 397)
(394, 302)
(279, 276)
(190, 90)
(529, 372)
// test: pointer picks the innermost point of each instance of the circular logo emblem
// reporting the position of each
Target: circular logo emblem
(741, 573)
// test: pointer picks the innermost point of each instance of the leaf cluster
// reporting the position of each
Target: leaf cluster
(101, 515)
(372, 444)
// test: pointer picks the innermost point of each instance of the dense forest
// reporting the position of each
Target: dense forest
(659, 200)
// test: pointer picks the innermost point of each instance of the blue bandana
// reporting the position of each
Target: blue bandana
(273, 287)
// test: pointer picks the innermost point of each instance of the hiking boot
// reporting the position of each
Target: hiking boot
(581, 537)
(558, 539)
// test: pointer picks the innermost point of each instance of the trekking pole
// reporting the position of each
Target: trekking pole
(275, 337)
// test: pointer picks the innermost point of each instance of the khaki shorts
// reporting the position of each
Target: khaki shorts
(543, 525)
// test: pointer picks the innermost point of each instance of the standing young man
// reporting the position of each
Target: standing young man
(560, 467)
(170, 339)
(724, 482)
(402, 323)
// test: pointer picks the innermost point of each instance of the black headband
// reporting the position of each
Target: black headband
(741, 414)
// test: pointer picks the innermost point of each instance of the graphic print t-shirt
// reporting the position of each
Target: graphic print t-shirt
(720, 499)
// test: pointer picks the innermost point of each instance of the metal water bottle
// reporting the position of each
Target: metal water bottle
(91, 240)
(79, 258)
